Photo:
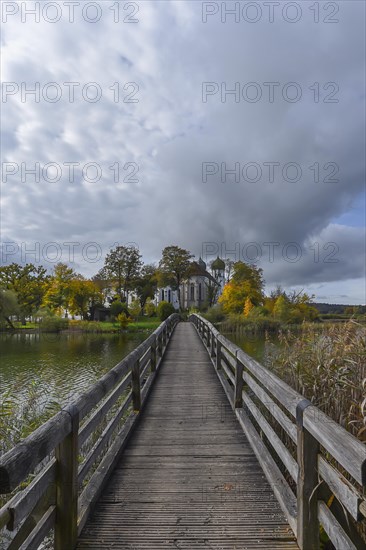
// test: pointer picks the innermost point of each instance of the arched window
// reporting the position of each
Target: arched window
(162, 294)
(192, 292)
(169, 296)
(200, 291)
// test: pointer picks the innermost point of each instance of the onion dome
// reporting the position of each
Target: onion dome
(218, 264)
(201, 263)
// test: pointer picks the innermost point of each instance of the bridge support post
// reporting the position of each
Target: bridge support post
(66, 530)
(136, 386)
(307, 502)
(239, 383)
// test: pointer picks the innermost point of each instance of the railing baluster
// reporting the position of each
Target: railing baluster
(136, 385)
(307, 502)
(239, 383)
(153, 356)
(218, 354)
(212, 350)
(67, 486)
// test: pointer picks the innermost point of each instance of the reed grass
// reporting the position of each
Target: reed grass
(327, 364)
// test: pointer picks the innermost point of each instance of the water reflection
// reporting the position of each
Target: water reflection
(257, 346)
(59, 366)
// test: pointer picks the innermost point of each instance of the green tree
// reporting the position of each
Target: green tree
(103, 283)
(146, 284)
(174, 268)
(8, 306)
(282, 309)
(212, 292)
(29, 282)
(122, 266)
(165, 309)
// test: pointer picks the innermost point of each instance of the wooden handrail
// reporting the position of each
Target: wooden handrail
(52, 498)
(266, 406)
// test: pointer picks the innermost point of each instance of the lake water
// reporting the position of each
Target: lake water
(58, 367)
(255, 345)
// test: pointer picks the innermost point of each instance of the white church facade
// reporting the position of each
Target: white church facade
(201, 288)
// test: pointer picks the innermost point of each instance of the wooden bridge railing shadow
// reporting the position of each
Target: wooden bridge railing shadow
(301, 450)
(63, 491)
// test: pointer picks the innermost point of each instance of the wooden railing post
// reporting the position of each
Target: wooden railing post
(239, 383)
(159, 346)
(66, 530)
(218, 354)
(136, 385)
(153, 357)
(307, 505)
(212, 350)
(164, 338)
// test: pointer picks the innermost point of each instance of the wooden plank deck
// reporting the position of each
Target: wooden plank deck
(188, 478)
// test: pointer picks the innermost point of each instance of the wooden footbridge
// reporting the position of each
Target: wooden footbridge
(188, 443)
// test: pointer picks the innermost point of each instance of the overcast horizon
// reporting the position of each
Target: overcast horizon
(162, 123)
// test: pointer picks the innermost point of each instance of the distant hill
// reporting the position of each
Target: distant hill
(337, 308)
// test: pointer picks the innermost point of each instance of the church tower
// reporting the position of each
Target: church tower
(218, 271)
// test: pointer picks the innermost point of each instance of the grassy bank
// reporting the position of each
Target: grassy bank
(57, 324)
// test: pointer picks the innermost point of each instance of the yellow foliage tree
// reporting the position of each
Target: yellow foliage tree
(247, 306)
(246, 283)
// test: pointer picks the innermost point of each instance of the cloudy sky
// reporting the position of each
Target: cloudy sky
(174, 122)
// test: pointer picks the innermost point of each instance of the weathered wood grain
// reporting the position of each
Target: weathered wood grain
(188, 477)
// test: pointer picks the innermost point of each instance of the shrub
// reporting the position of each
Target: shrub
(135, 309)
(51, 323)
(215, 314)
(116, 308)
(164, 310)
(150, 309)
(123, 320)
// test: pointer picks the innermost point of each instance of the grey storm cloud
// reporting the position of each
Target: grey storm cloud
(170, 132)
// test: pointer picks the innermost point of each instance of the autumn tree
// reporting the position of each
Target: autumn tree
(174, 268)
(248, 306)
(293, 307)
(246, 282)
(122, 266)
(84, 297)
(57, 297)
